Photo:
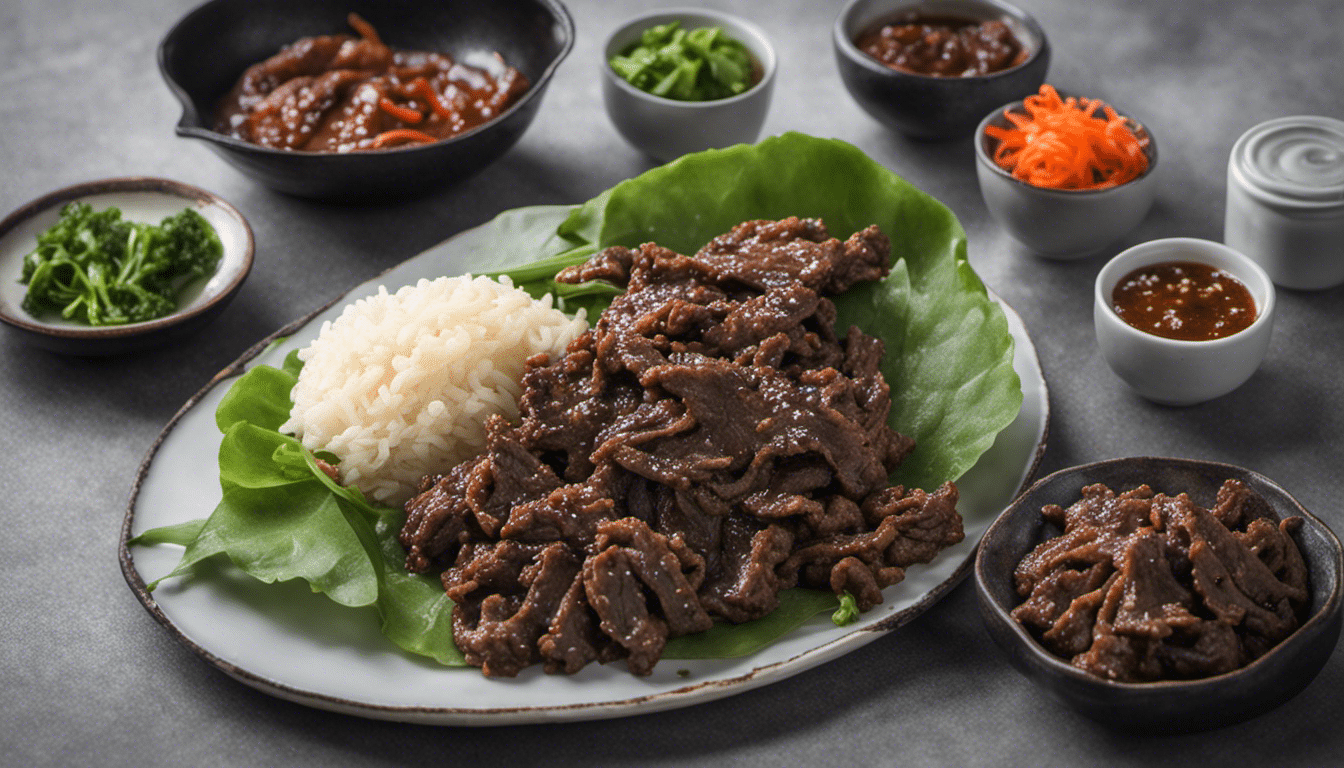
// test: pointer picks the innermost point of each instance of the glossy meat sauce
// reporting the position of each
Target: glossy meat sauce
(339, 93)
(943, 46)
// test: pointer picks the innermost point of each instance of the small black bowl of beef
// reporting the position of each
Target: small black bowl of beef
(362, 99)
(1162, 595)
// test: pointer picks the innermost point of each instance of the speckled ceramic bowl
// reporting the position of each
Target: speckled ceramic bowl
(1172, 705)
(1061, 223)
(207, 51)
(666, 129)
(139, 199)
(926, 107)
(1172, 371)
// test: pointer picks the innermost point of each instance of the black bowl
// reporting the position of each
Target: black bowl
(1169, 705)
(208, 50)
(927, 107)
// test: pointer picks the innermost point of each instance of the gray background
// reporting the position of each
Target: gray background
(86, 675)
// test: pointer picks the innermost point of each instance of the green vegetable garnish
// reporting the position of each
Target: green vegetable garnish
(688, 65)
(96, 268)
(848, 610)
(948, 360)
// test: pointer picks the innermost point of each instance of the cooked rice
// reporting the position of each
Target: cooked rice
(399, 386)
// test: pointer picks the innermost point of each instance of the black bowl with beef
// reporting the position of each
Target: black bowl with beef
(207, 52)
(1173, 642)
(924, 105)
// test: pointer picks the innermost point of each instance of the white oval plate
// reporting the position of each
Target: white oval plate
(286, 641)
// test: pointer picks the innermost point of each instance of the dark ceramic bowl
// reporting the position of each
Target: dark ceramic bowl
(208, 50)
(1173, 705)
(927, 107)
(139, 199)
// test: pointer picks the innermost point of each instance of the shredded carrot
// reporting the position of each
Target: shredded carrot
(364, 28)
(421, 87)
(1064, 144)
(404, 114)
(397, 135)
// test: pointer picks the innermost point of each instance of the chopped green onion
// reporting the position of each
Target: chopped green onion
(701, 64)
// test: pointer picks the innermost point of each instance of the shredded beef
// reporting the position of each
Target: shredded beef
(1143, 586)
(709, 443)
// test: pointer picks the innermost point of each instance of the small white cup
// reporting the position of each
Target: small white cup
(1172, 371)
(666, 129)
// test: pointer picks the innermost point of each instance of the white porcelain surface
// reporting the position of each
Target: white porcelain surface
(1060, 223)
(139, 199)
(666, 129)
(300, 646)
(1285, 200)
(1171, 371)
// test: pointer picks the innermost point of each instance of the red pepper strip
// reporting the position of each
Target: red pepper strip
(421, 87)
(404, 114)
(364, 28)
(402, 134)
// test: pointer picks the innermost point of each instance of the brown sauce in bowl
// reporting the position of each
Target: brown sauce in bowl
(340, 93)
(1184, 300)
(943, 46)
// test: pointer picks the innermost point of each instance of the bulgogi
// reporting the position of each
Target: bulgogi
(709, 443)
(1143, 586)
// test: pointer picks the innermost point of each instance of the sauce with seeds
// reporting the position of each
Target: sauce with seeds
(1184, 300)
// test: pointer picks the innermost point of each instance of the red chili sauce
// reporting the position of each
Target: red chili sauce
(943, 46)
(1184, 300)
(339, 93)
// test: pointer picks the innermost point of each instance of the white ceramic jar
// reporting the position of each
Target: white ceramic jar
(1285, 200)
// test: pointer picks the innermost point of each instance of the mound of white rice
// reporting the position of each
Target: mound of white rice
(399, 386)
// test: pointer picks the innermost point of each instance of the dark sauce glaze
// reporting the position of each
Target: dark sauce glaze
(339, 93)
(1184, 300)
(943, 46)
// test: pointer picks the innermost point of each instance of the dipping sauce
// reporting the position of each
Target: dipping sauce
(943, 46)
(1184, 300)
(339, 93)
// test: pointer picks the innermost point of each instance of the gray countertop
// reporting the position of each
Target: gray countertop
(89, 678)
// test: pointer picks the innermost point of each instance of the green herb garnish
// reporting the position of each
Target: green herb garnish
(96, 268)
(688, 65)
(848, 611)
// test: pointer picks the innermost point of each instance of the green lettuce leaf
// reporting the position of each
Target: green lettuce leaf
(948, 360)
(282, 518)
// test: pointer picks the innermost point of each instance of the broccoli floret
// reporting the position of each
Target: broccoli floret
(96, 268)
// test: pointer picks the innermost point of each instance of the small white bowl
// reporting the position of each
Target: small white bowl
(1171, 371)
(1062, 224)
(139, 198)
(666, 129)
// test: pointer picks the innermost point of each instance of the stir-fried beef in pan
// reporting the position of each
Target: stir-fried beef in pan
(710, 442)
(1144, 587)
